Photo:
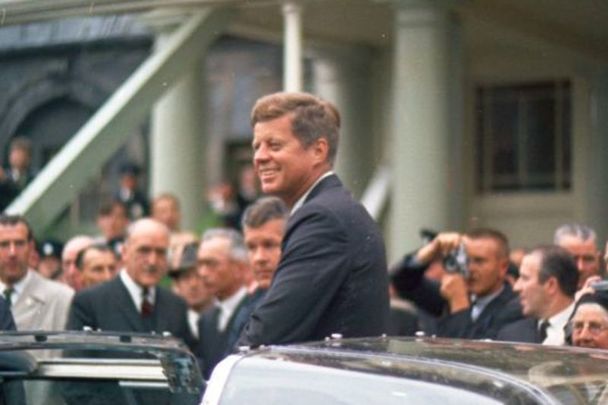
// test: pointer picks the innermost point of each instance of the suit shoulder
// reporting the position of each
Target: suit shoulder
(95, 291)
(51, 288)
(169, 296)
(516, 329)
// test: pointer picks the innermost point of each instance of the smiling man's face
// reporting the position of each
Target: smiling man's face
(285, 167)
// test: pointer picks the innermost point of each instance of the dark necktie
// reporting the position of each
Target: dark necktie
(542, 331)
(8, 294)
(146, 304)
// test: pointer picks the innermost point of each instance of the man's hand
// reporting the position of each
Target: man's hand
(454, 290)
(587, 287)
(439, 247)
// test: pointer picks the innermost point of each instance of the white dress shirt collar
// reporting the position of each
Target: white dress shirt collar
(557, 323)
(228, 306)
(135, 290)
(18, 287)
(301, 200)
(480, 303)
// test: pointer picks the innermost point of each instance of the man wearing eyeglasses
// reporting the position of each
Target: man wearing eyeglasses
(581, 242)
(590, 321)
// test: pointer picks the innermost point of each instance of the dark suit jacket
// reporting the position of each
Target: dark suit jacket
(524, 330)
(109, 307)
(332, 277)
(241, 317)
(213, 344)
(502, 310)
(410, 283)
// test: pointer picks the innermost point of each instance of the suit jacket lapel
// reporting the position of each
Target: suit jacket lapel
(238, 308)
(160, 316)
(488, 313)
(209, 331)
(328, 182)
(29, 306)
(127, 307)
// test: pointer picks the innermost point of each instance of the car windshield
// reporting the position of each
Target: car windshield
(98, 368)
(262, 381)
(67, 391)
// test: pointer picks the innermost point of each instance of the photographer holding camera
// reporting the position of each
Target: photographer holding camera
(472, 298)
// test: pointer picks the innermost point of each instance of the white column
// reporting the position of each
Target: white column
(292, 59)
(177, 144)
(342, 77)
(595, 150)
(421, 123)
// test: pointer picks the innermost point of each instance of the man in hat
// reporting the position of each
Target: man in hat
(129, 193)
(590, 321)
(189, 285)
(49, 253)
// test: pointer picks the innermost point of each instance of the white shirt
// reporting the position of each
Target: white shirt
(301, 200)
(135, 290)
(193, 317)
(18, 287)
(557, 323)
(228, 306)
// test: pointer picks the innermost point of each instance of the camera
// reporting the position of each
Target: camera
(456, 261)
(601, 285)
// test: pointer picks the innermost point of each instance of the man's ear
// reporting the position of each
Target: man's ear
(551, 284)
(504, 267)
(320, 149)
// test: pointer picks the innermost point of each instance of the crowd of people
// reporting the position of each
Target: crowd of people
(540, 302)
(300, 265)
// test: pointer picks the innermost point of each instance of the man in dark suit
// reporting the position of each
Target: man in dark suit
(130, 194)
(132, 301)
(263, 225)
(546, 288)
(475, 305)
(222, 262)
(332, 275)
(18, 174)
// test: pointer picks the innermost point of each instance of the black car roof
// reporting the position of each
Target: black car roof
(69, 354)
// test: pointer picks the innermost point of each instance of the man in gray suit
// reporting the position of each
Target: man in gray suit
(132, 301)
(36, 303)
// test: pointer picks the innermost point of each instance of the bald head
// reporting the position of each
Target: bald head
(145, 251)
(68, 259)
(146, 225)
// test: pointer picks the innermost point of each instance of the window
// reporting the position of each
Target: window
(523, 137)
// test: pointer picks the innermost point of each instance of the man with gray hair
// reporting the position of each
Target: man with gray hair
(581, 242)
(222, 262)
(133, 301)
